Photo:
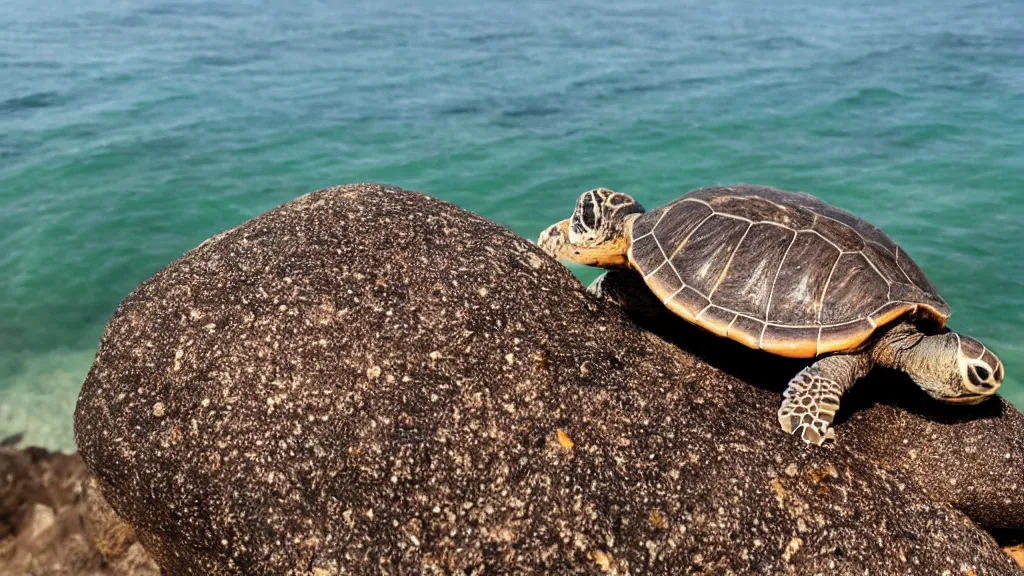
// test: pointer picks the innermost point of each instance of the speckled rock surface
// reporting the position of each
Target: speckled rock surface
(370, 381)
(969, 456)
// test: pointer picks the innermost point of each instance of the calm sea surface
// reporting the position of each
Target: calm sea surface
(132, 130)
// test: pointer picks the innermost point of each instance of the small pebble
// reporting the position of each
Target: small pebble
(564, 439)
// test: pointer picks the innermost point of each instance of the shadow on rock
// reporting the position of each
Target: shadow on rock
(969, 456)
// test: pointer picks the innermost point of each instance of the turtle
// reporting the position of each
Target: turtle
(787, 273)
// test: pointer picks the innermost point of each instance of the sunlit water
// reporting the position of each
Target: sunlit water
(131, 131)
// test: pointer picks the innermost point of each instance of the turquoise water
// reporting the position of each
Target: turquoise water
(131, 131)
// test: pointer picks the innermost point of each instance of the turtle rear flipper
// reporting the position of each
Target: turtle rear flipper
(811, 400)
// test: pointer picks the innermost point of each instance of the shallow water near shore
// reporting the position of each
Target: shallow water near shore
(130, 132)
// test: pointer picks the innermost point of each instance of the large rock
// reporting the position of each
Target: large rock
(368, 380)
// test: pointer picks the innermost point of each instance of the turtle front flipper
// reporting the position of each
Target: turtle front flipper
(811, 400)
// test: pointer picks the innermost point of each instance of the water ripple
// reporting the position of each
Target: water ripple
(30, 102)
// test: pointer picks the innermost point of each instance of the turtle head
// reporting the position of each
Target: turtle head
(979, 371)
(950, 367)
(596, 234)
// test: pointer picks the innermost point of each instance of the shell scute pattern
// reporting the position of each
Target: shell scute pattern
(781, 271)
(706, 254)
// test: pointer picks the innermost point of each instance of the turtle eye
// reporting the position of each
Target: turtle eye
(982, 372)
(587, 215)
(979, 376)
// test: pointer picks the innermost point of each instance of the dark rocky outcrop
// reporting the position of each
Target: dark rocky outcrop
(969, 456)
(52, 522)
(368, 380)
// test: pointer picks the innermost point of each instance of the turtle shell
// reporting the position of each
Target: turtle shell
(776, 270)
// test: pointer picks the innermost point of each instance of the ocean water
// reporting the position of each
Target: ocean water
(130, 131)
